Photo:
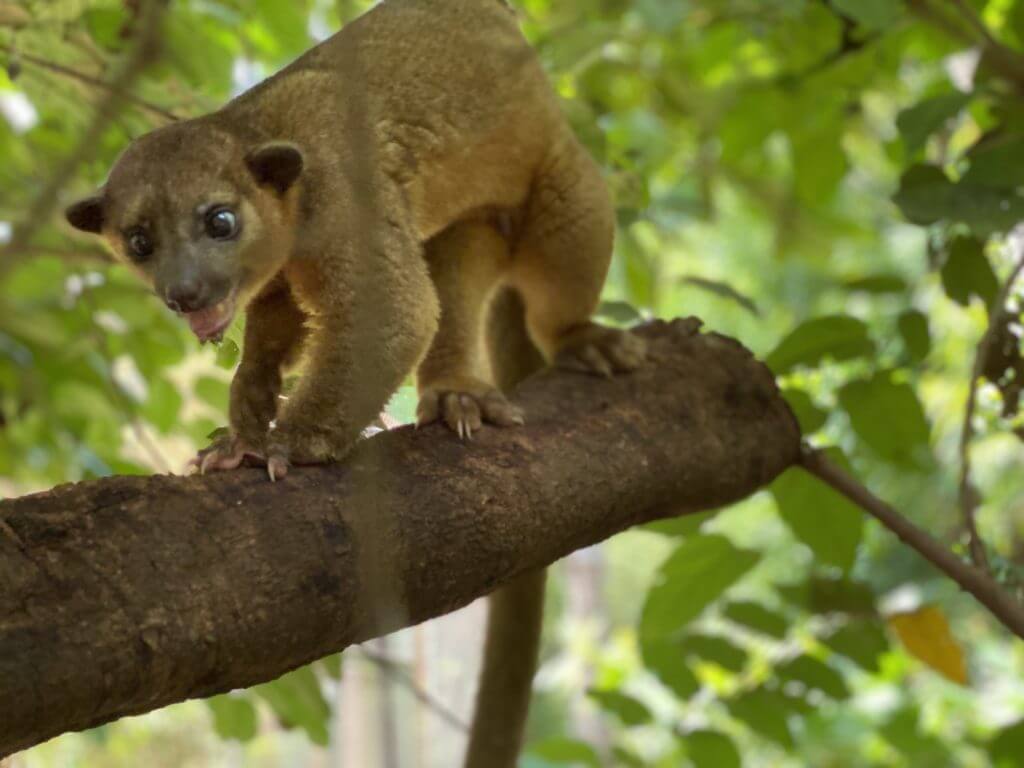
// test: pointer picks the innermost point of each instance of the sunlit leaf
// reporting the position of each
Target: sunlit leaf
(862, 641)
(888, 416)
(298, 702)
(564, 751)
(664, 657)
(1007, 747)
(696, 574)
(836, 337)
(920, 121)
(913, 326)
(766, 713)
(755, 616)
(234, 717)
(820, 517)
(815, 675)
(810, 416)
(714, 648)
(711, 749)
(967, 271)
(925, 633)
(629, 710)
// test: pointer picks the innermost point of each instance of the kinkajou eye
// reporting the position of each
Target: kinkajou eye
(221, 224)
(140, 245)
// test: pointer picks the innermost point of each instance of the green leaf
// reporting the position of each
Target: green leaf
(106, 26)
(163, 404)
(920, 121)
(234, 717)
(903, 732)
(564, 751)
(815, 675)
(695, 575)
(620, 312)
(1007, 748)
(213, 391)
(332, 665)
(711, 749)
(829, 594)
(683, 525)
(881, 283)
(926, 196)
(916, 336)
(757, 617)
(996, 164)
(871, 14)
(766, 713)
(297, 700)
(838, 337)
(664, 658)
(715, 649)
(820, 517)
(629, 710)
(861, 641)
(967, 272)
(227, 354)
(725, 291)
(888, 417)
(811, 417)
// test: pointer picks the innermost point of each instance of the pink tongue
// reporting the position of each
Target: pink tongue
(205, 320)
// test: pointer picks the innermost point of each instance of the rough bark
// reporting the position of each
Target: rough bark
(125, 594)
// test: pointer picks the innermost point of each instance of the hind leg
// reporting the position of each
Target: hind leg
(561, 262)
(467, 262)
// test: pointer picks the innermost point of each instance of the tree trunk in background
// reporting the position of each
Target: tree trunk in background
(586, 612)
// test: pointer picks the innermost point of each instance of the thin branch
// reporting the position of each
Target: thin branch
(968, 28)
(121, 398)
(974, 22)
(397, 672)
(969, 498)
(142, 54)
(90, 80)
(971, 578)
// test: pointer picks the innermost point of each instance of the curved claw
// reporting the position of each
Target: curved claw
(277, 467)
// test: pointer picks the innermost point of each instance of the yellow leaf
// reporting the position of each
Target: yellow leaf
(926, 634)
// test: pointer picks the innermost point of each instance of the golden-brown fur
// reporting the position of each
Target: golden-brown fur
(386, 183)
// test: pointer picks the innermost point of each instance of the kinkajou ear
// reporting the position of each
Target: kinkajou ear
(276, 165)
(86, 215)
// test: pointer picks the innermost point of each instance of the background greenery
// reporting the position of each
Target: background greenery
(832, 182)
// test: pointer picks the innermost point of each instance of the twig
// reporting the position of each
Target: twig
(123, 399)
(973, 31)
(90, 80)
(142, 54)
(971, 578)
(398, 673)
(968, 493)
(975, 23)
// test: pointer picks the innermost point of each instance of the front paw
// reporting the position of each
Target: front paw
(290, 445)
(600, 350)
(224, 453)
(464, 405)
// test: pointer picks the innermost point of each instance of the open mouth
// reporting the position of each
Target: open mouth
(210, 323)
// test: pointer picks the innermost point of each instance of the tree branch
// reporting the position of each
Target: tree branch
(143, 52)
(973, 579)
(397, 671)
(969, 29)
(90, 80)
(997, 318)
(125, 594)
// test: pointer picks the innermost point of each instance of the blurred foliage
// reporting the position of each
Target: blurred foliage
(832, 181)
